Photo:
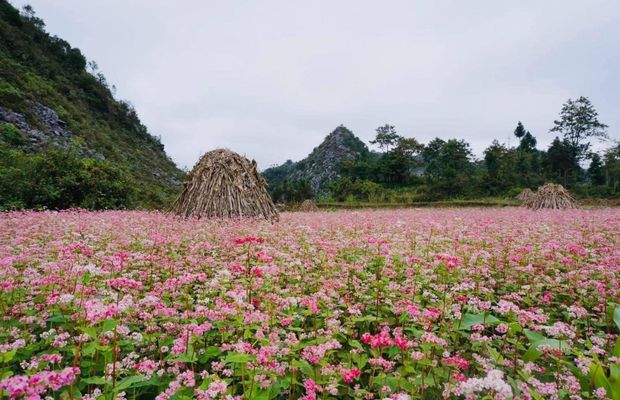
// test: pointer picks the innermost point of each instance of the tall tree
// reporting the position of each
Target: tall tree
(386, 137)
(520, 130)
(578, 123)
(527, 158)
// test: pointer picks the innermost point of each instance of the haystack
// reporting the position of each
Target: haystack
(281, 207)
(551, 196)
(525, 195)
(224, 184)
(308, 206)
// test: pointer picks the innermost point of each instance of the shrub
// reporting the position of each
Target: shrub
(10, 135)
(60, 179)
(9, 94)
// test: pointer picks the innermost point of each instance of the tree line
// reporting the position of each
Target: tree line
(444, 169)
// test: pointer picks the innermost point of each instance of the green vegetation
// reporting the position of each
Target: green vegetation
(130, 168)
(60, 179)
(445, 171)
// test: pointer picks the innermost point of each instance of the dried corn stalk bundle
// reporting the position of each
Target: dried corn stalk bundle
(525, 195)
(551, 196)
(308, 205)
(224, 184)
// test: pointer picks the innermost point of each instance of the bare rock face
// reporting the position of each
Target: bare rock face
(322, 166)
(50, 128)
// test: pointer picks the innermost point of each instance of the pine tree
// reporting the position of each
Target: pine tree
(520, 130)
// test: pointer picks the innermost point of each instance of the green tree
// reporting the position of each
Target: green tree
(431, 159)
(386, 137)
(360, 189)
(449, 168)
(292, 191)
(560, 161)
(595, 171)
(520, 130)
(527, 165)
(401, 159)
(578, 123)
(612, 168)
(499, 161)
(528, 142)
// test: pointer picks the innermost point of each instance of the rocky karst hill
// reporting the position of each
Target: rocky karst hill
(323, 164)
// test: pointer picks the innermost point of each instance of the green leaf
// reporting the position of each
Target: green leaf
(515, 327)
(355, 344)
(495, 354)
(5, 374)
(617, 316)
(533, 336)
(89, 330)
(366, 318)
(470, 320)
(89, 349)
(533, 353)
(360, 360)
(212, 352)
(103, 348)
(261, 395)
(8, 356)
(94, 380)
(190, 357)
(109, 324)
(614, 373)
(304, 366)
(237, 358)
(128, 382)
(614, 381)
(616, 349)
(56, 318)
(536, 395)
(392, 382)
(597, 373)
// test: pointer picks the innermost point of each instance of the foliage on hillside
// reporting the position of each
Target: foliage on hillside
(37, 69)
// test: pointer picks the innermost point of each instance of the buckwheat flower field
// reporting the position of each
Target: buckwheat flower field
(402, 304)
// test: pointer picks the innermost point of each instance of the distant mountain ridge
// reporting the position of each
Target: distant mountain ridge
(50, 97)
(322, 166)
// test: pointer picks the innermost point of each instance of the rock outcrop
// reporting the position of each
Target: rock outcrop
(323, 164)
(47, 129)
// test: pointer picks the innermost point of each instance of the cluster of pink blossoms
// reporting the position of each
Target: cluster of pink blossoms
(315, 353)
(349, 375)
(32, 387)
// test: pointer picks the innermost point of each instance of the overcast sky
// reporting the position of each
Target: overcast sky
(270, 79)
